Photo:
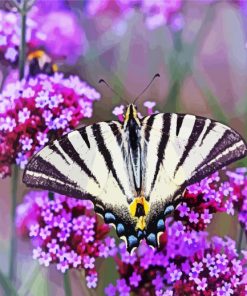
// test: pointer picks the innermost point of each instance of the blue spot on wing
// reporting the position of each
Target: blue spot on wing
(109, 217)
(161, 225)
(132, 241)
(168, 210)
(120, 229)
(152, 239)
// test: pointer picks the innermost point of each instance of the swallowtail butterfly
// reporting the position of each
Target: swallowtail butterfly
(135, 172)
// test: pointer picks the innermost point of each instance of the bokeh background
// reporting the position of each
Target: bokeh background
(199, 49)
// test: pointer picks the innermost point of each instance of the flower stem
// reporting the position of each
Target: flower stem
(22, 55)
(13, 245)
(241, 235)
(66, 283)
(22, 47)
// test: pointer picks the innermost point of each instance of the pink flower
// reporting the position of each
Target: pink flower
(36, 109)
(51, 227)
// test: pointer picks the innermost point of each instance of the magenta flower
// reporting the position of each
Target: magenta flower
(51, 226)
(10, 35)
(37, 109)
(62, 39)
(179, 267)
(156, 13)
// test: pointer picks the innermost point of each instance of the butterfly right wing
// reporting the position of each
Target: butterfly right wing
(89, 163)
(179, 150)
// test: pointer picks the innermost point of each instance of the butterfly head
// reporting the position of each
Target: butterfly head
(131, 115)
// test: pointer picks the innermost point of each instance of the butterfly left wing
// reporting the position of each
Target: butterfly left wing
(89, 163)
(179, 150)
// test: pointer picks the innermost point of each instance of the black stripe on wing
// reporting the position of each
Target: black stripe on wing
(106, 154)
(148, 127)
(208, 129)
(52, 179)
(228, 149)
(69, 149)
(84, 136)
(180, 119)
(196, 132)
(162, 145)
(56, 150)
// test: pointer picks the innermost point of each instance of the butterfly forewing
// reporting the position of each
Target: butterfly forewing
(181, 149)
(88, 163)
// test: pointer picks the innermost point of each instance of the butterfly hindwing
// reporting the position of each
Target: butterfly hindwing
(181, 149)
(89, 163)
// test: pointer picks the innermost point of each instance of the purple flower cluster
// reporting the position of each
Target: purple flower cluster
(156, 13)
(39, 109)
(120, 110)
(10, 34)
(65, 232)
(64, 39)
(186, 264)
(59, 38)
(213, 195)
(236, 187)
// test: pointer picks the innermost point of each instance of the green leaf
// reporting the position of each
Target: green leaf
(7, 286)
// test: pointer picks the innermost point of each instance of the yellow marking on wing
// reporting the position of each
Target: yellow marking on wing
(141, 221)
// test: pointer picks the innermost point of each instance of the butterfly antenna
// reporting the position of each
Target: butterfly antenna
(103, 81)
(155, 76)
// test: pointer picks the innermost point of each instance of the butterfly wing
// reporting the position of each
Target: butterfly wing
(89, 163)
(179, 150)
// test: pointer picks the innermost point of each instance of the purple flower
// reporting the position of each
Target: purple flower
(23, 115)
(88, 262)
(53, 246)
(183, 209)
(135, 279)
(63, 266)
(193, 217)
(201, 284)
(119, 112)
(123, 288)
(149, 105)
(110, 290)
(92, 280)
(206, 216)
(64, 39)
(197, 267)
(34, 109)
(45, 259)
(51, 224)
(26, 143)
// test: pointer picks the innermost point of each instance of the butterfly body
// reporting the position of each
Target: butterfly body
(135, 171)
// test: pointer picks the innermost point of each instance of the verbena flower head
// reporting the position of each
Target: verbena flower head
(39, 109)
(120, 110)
(65, 232)
(10, 34)
(156, 13)
(186, 264)
(236, 186)
(160, 13)
(65, 37)
(61, 39)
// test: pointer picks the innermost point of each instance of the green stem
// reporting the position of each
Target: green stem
(22, 47)
(13, 245)
(172, 100)
(22, 55)
(241, 235)
(67, 285)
